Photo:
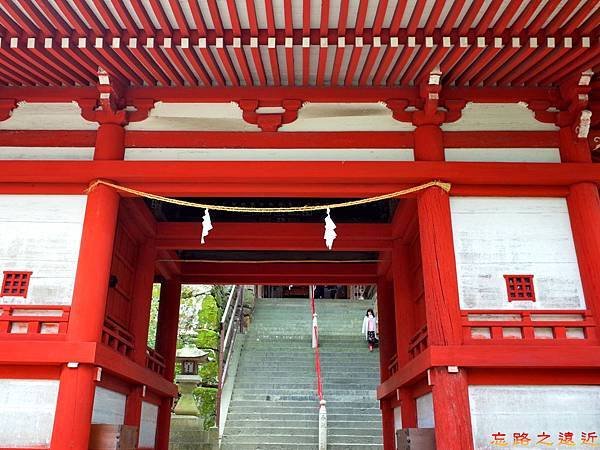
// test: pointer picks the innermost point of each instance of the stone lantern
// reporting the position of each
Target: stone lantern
(190, 359)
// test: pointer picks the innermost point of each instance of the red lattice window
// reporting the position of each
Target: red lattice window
(15, 284)
(519, 287)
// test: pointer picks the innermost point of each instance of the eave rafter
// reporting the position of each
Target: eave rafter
(249, 43)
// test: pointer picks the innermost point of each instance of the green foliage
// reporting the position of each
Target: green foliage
(209, 373)
(209, 314)
(221, 294)
(206, 399)
(207, 339)
(153, 315)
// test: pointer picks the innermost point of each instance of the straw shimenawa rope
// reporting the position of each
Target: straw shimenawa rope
(244, 209)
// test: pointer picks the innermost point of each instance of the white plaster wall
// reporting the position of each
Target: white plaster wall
(346, 117)
(41, 234)
(194, 117)
(47, 153)
(47, 116)
(27, 409)
(398, 418)
(270, 154)
(547, 155)
(497, 117)
(494, 236)
(148, 425)
(425, 417)
(533, 410)
(109, 407)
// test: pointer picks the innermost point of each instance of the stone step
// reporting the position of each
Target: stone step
(272, 438)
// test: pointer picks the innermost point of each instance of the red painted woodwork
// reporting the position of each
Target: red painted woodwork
(333, 139)
(418, 342)
(138, 326)
(584, 211)
(558, 322)
(15, 284)
(166, 344)
(76, 391)
(95, 255)
(166, 328)
(439, 268)
(74, 408)
(271, 236)
(155, 361)
(408, 408)
(340, 176)
(34, 322)
(387, 348)
(110, 142)
(519, 288)
(122, 271)
(117, 337)
(451, 409)
(429, 145)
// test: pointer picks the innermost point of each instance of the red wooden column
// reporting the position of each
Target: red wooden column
(139, 323)
(404, 312)
(166, 345)
(450, 391)
(584, 211)
(387, 348)
(77, 386)
(110, 142)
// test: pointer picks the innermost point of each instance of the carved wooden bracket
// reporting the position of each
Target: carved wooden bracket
(429, 109)
(110, 106)
(270, 121)
(432, 113)
(7, 106)
(571, 110)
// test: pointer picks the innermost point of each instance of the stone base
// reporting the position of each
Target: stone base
(187, 434)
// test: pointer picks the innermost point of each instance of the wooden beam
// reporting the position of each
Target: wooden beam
(272, 236)
(312, 176)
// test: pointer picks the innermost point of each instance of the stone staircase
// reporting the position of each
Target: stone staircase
(350, 376)
(274, 403)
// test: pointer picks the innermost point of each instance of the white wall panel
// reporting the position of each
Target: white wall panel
(27, 409)
(47, 153)
(41, 234)
(109, 407)
(494, 236)
(425, 417)
(269, 154)
(549, 155)
(346, 117)
(148, 424)
(47, 116)
(533, 410)
(497, 117)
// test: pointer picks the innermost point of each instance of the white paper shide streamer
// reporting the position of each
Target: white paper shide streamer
(206, 225)
(330, 233)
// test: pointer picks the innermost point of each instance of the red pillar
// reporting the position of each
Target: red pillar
(450, 390)
(572, 148)
(139, 323)
(429, 143)
(166, 345)
(387, 348)
(404, 311)
(403, 301)
(110, 142)
(77, 386)
(584, 211)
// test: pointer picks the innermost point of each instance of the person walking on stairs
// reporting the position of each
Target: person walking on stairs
(369, 329)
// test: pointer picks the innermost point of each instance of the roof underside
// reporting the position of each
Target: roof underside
(297, 42)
